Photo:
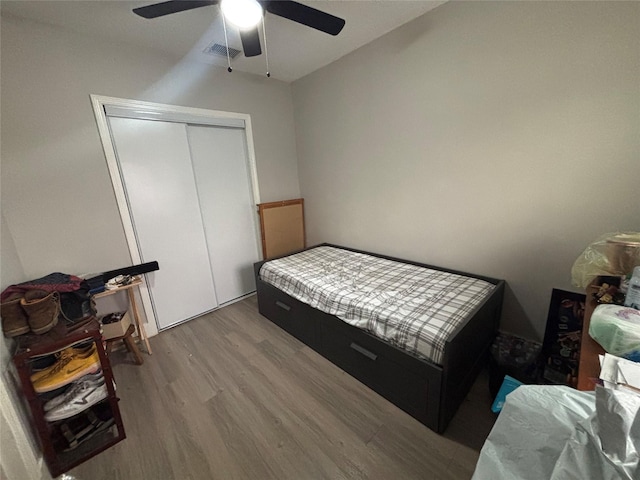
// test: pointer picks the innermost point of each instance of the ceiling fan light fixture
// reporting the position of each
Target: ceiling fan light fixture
(242, 13)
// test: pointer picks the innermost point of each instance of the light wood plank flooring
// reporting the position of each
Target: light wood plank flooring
(232, 396)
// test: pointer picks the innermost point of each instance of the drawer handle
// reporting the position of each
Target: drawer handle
(283, 306)
(363, 351)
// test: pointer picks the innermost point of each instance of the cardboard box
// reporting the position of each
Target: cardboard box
(115, 325)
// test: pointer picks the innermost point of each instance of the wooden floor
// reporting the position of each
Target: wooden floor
(231, 396)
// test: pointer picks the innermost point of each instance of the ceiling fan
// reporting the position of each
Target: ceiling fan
(288, 9)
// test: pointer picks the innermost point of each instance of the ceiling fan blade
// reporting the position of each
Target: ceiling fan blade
(308, 16)
(172, 6)
(250, 42)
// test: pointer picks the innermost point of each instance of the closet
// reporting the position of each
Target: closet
(188, 189)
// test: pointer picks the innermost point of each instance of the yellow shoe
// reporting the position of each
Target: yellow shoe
(83, 350)
(70, 367)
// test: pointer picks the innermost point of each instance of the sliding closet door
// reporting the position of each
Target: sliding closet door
(158, 177)
(220, 165)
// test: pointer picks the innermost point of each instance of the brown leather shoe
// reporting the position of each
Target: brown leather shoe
(42, 310)
(14, 318)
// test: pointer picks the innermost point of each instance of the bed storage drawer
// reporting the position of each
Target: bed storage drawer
(289, 314)
(353, 355)
(382, 368)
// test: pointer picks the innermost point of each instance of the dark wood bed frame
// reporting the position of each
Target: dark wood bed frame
(429, 392)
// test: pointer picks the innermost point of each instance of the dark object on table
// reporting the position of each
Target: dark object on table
(608, 294)
(134, 270)
(562, 338)
(96, 283)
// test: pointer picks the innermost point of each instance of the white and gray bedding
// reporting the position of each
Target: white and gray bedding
(413, 308)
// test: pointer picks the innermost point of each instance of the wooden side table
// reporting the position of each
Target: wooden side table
(129, 343)
(590, 350)
(137, 281)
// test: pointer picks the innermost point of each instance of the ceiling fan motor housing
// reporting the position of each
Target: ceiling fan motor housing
(289, 9)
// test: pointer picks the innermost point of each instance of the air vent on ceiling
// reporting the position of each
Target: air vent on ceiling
(221, 51)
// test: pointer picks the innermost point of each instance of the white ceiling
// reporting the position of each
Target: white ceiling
(293, 49)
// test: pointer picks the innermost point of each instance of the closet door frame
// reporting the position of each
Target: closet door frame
(195, 115)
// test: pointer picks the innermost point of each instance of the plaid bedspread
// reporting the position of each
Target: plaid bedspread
(413, 308)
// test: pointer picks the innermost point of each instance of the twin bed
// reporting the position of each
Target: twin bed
(416, 334)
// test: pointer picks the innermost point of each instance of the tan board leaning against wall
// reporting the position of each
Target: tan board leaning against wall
(282, 227)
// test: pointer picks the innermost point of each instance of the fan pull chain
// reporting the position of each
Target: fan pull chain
(226, 44)
(266, 51)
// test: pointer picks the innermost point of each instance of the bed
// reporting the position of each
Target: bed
(400, 327)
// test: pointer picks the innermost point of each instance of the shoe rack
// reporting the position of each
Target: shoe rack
(53, 442)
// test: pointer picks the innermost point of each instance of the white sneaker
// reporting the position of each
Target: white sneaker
(94, 378)
(80, 397)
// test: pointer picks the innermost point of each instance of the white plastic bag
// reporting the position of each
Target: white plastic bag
(617, 329)
(557, 433)
(613, 254)
(607, 445)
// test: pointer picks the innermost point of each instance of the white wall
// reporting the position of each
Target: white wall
(493, 137)
(56, 193)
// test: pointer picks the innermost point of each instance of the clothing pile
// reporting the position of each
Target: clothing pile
(37, 305)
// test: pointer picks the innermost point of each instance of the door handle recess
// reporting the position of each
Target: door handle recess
(283, 306)
(363, 351)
